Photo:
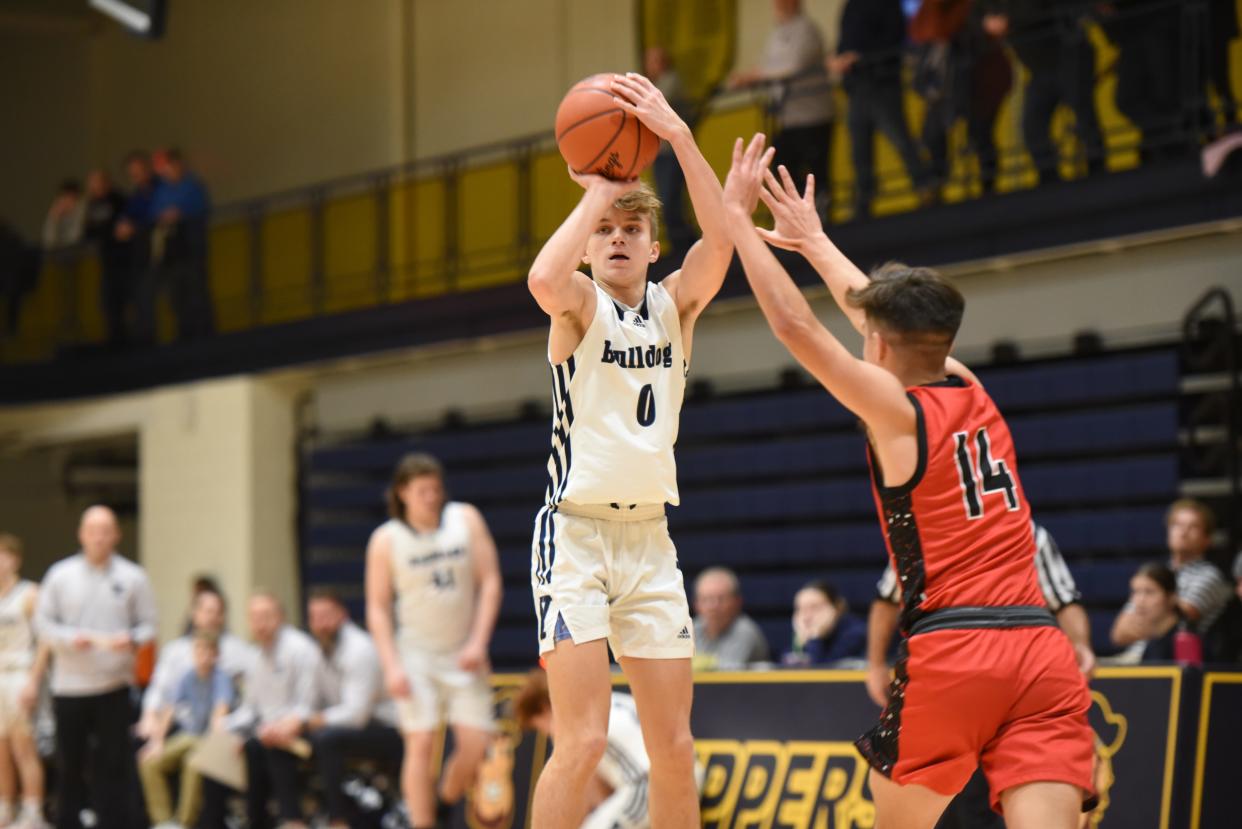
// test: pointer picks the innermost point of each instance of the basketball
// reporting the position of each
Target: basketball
(595, 135)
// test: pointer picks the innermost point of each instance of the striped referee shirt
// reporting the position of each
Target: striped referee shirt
(1201, 585)
(1054, 576)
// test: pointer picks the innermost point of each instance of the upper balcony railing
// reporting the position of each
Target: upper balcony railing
(475, 218)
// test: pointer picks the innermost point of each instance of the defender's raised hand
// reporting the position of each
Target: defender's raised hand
(797, 221)
(638, 96)
(745, 180)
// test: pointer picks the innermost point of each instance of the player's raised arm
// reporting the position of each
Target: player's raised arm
(868, 391)
(554, 280)
(798, 228)
(703, 270)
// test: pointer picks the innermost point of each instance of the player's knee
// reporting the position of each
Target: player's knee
(673, 752)
(583, 750)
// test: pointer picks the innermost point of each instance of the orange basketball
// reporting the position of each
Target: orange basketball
(595, 135)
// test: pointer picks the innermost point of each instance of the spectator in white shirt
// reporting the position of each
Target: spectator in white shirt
(94, 609)
(355, 719)
(277, 701)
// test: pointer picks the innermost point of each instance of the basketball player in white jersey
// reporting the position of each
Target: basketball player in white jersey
(436, 559)
(604, 571)
(617, 791)
(22, 665)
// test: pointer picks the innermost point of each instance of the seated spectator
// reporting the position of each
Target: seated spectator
(823, 628)
(793, 62)
(277, 700)
(63, 226)
(724, 637)
(354, 718)
(617, 798)
(869, 60)
(104, 210)
(1155, 615)
(176, 659)
(178, 217)
(200, 703)
(1202, 591)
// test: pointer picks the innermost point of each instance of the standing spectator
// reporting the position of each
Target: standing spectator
(793, 62)
(670, 181)
(1202, 591)
(724, 637)
(1222, 29)
(19, 271)
(963, 72)
(823, 628)
(105, 208)
(1154, 615)
(1149, 82)
(869, 60)
(178, 214)
(1049, 38)
(176, 659)
(63, 226)
(94, 608)
(433, 593)
(277, 700)
(22, 666)
(355, 719)
(200, 702)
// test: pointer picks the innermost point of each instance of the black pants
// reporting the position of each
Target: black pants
(116, 290)
(1062, 73)
(93, 732)
(334, 746)
(185, 280)
(269, 772)
(1148, 78)
(876, 104)
(807, 150)
(670, 184)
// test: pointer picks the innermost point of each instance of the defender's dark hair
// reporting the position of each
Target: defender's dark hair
(911, 302)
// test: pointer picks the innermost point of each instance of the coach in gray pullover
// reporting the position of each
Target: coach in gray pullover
(94, 608)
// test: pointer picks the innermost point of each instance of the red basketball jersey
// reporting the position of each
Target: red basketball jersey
(959, 532)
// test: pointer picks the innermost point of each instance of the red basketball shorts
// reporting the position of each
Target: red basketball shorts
(1012, 700)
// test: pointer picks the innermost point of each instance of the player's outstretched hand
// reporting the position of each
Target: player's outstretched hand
(745, 180)
(639, 97)
(592, 181)
(797, 221)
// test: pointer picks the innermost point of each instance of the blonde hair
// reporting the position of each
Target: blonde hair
(1206, 516)
(643, 201)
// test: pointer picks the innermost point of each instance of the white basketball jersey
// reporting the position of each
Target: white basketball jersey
(617, 405)
(17, 639)
(434, 582)
(625, 760)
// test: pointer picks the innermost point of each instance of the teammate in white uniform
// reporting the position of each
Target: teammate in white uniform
(437, 560)
(604, 570)
(616, 793)
(22, 665)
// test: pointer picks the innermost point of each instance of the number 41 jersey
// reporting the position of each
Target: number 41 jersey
(616, 406)
(959, 532)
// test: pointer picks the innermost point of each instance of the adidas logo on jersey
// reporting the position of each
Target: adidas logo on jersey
(638, 357)
(637, 321)
(685, 633)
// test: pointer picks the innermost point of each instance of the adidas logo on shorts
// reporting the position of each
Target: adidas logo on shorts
(685, 633)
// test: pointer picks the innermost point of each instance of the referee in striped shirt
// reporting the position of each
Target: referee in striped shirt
(972, 807)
